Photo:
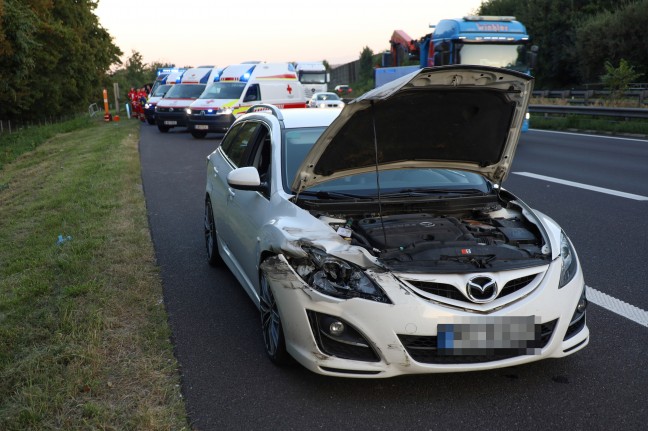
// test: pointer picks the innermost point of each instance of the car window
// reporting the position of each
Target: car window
(252, 93)
(297, 144)
(235, 148)
(262, 154)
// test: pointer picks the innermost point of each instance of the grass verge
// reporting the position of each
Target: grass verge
(84, 339)
(583, 123)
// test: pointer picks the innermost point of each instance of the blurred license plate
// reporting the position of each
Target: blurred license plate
(202, 127)
(494, 335)
(170, 123)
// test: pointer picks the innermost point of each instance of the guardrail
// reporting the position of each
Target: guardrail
(595, 111)
(586, 97)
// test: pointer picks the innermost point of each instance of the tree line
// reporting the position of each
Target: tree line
(581, 41)
(53, 57)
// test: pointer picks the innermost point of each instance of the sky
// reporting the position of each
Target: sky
(219, 33)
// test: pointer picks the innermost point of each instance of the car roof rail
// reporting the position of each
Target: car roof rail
(267, 107)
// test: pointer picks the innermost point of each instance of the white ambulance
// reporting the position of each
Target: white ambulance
(162, 85)
(170, 110)
(239, 87)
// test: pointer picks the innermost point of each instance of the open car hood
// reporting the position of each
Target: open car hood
(456, 117)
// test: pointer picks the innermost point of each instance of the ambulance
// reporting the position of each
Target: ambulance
(170, 110)
(162, 84)
(239, 87)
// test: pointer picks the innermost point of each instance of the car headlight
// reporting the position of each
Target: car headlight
(336, 277)
(188, 111)
(147, 105)
(226, 111)
(569, 261)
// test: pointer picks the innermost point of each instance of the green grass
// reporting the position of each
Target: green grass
(84, 338)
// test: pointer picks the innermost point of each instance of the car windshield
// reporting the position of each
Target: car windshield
(298, 143)
(327, 96)
(312, 77)
(224, 90)
(161, 90)
(185, 91)
(496, 55)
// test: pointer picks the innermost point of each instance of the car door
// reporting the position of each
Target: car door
(249, 210)
(232, 153)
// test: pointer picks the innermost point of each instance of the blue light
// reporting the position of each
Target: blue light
(246, 76)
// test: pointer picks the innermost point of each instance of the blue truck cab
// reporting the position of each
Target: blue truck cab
(498, 41)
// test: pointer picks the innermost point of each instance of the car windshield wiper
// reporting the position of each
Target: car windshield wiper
(433, 191)
(333, 195)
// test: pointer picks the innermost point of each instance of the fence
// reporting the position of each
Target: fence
(595, 111)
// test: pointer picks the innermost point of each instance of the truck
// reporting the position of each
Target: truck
(498, 41)
(313, 76)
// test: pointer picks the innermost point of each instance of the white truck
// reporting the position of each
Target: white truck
(313, 76)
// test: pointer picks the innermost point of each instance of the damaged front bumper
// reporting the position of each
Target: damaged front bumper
(363, 338)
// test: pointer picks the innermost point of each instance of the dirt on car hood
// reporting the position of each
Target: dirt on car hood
(456, 117)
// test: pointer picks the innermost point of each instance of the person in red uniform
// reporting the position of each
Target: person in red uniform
(132, 97)
(141, 99)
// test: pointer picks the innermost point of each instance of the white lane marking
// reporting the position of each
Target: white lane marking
(591, 136)
(584, 186)
(617, 306)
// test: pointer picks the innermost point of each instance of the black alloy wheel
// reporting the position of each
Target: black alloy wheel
(273, 337)
(211, 238)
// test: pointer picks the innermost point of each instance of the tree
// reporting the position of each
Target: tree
(53, 55)
(366, 64)
(618, 79)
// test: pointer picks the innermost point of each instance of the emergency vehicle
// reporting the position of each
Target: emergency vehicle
(313, 76)
(239, 87)
(170, 110)
(161, 86)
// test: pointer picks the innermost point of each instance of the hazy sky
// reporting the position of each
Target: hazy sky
(198, 32)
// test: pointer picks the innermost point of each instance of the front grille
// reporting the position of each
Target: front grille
(453, 292)
(424, 349)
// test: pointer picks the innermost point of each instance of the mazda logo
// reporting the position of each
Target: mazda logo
(482, 289)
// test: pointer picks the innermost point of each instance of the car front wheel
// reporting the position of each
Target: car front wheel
(198, 134)
(163, 129)
(273, 337)
(211, 238)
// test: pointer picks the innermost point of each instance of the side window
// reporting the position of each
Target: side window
(236, 149)
(226, 145)
(252, 94)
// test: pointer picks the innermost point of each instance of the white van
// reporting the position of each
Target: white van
(162, 85)
(170, 110)
(239, 87)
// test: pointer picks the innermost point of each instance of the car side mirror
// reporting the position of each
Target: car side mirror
(246, 178)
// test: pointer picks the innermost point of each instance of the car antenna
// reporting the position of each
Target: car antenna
(375, 136)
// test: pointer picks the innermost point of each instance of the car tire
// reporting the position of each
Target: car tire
(163, 129)
(150, 121)
(211, 238)
(198, 134)
(271, 327)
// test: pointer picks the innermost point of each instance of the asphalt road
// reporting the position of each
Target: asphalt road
(230, 385)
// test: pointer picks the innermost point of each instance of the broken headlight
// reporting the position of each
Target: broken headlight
(336, 277)
(569, 261)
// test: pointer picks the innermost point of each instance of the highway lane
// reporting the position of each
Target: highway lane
(610, 233)
(230, 385)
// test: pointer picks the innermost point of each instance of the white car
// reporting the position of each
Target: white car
(325, 100)
(377, 240)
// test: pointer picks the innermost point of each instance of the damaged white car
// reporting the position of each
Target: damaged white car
(378, 240)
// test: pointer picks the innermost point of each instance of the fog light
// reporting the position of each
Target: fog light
(336, 328)
(582, 305)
